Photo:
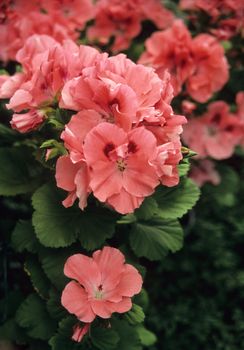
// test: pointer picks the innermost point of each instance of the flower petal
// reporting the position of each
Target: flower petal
(75, 300)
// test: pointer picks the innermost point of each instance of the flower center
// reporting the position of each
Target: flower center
(99, 292)
(121, 164)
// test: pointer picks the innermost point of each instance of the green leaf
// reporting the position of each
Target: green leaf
(184, 167)
(11, 331)
(54, 306)
(148, 208)
(24, 238)
(135, 315)
(38, 278)
(128, 337)
(52, 262)
(57, 226)
(19, 171)
(142, 299)
(104, 338)
(147, 337)
(153, 239)
(33, 316)
(53, 223)
(62, 339)
(39, 345)
(94, 226)
(174, 202)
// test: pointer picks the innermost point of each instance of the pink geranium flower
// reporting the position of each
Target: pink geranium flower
(214, 134)
(114, 113)
(211, 68)
(27, 121)
(122, 19)
(101, 285)
(120, 166)
(171, 49)
(203, 172)
(79, 332)
(199, 63)
(59, 19)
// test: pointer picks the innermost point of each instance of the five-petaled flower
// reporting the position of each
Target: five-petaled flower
(102, 285)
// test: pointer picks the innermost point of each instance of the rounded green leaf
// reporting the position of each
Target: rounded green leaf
(153, 239)
(174, 202)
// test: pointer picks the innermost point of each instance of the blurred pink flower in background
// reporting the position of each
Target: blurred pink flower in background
(60, 19)
(204, 171)
(198, 62)
(122, 20)
(214, 134)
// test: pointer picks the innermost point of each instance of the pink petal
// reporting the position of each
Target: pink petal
(102, 308)
(79, 332)
(75, 300)
(82, 184)
(123, 306)
(84, 270)
(106, 180)
(65, 173)
(111, 265)
(124, 202)
(139, 178)
(130, 282)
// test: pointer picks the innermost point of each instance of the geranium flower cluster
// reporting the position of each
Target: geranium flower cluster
(123, 139)
(20, 19)
(226, 15)
(218, 131)
(122, 20)
(198, 62)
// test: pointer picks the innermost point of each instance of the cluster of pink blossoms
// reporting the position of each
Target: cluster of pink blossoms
(122, 20)
(61, 19)
(101, 285)
(198, 62)
(217, 132)
(64, 19)
(227, 16)
(123, 139)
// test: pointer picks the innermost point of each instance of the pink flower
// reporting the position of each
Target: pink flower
(168, 157)
(204, 171)
(80, 332)
(74, 178)
(60, 20)
(171, 49)
(9, 84)
(103, 284)
(115, 112)
(27, 121)
(120, 166)
(122, 19)
(214, 134)
(211, 68)
(199, 63)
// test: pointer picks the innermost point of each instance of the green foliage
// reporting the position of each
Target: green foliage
(104, 338)
(38, 278)
(135, 315)
(33, 316)
(147, 337)
(175, 202)
(154, 238)
(56, 226)
(128, 338)
(205, 279)
(52, 262)
(23, 237)
(19, 171)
